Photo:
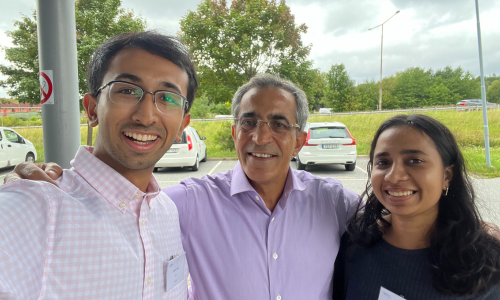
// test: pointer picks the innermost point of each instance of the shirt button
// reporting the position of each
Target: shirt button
(272, 220)
(122, 205)
(143, 223)
(149, 280)
(275, 256)
(137, 196)
(278, 297)
(257, 198)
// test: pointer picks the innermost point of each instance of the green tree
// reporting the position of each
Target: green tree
(462, 85)
(339, 89)
(232, 44)
(96, 20)
(493, 92)
(389, 97)
(412, 88)
(200, 108)
(367, 94)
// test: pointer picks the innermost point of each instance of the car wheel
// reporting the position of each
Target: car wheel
(155, 169)
(30, 158)
(196, 165)
(350, 167)
(300, 165)
(204, 158)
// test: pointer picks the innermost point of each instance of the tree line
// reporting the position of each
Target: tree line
(232, 43)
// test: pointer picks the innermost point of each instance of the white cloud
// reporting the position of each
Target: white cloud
(426, 33)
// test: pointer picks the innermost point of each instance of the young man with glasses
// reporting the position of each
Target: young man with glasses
(108, 232)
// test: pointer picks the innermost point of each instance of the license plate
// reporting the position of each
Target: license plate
(330, 146)
(173, 150)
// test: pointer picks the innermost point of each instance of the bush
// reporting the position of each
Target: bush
(200, 108)
(224, 138)
(221, 108)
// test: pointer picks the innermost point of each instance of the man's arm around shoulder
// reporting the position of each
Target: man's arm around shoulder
(25, 215)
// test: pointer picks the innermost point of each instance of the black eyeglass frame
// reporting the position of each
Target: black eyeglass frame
(186, 103)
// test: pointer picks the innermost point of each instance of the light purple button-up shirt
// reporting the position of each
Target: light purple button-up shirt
(238, 249)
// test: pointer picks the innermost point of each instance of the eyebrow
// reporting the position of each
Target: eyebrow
(408, 151)
(128, 76)
(252, 114)
(137, 80)
(279, 117)
(248, 115)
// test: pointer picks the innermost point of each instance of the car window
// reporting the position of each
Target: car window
(183, 139)
(196, 135)
(329, 132)
(1, 137)
(11, 136)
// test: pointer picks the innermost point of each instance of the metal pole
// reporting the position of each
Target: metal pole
(59, 72)
(380, 89)
(483, 91)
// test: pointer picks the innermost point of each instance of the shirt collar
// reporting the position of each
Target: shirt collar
(110, 184)
(240, 183)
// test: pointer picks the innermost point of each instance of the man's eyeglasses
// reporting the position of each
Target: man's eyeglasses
(277, 127)
(128, 94)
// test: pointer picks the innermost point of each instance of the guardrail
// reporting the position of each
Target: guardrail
(393, 111)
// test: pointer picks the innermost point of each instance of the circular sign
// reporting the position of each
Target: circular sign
(45, 94)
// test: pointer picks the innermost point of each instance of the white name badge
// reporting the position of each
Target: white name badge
(385, 294)
(173, 271)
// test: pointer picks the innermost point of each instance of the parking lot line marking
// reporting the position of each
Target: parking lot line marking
(361, 170)
(213, 169)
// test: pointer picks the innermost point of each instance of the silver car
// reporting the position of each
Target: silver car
(189, 152)
(328, 143)
(473, 103)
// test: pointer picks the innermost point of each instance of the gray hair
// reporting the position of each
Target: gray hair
(268, 80)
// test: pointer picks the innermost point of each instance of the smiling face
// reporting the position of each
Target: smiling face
(408, 175)
(135, 138)
(264, 156)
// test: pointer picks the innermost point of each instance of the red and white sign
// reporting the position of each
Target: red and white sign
(46, 87)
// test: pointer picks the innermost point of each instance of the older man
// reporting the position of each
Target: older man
(108, 232)
(263, 230)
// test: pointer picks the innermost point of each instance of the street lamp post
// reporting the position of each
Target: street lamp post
(381, 47)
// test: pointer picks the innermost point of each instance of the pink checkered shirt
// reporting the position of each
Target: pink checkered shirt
(98, 237)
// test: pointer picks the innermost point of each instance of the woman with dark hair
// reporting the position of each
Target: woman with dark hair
(418, 233)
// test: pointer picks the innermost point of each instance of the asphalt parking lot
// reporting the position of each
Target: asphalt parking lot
(487, 190)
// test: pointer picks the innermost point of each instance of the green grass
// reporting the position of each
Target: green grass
(466, 126)
(35, 135)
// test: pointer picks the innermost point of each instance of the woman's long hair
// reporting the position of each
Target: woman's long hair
(464, 258)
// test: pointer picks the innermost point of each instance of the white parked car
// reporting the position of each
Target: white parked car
(186, 153)
(328, 143)
(14, 148)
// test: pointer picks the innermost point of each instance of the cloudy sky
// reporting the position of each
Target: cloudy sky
(426, 33)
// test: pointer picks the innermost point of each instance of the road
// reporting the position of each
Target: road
(487, 190)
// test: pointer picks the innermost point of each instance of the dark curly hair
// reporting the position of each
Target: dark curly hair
(464, 258)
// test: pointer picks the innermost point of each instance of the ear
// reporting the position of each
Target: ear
(300, 140)
(184, 123)
(90, 104)
(448, 176)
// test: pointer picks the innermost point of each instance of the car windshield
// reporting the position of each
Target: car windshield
(329, 132)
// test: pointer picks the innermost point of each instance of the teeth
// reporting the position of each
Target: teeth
(261, 155)
(140, 137)
(400, 194)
